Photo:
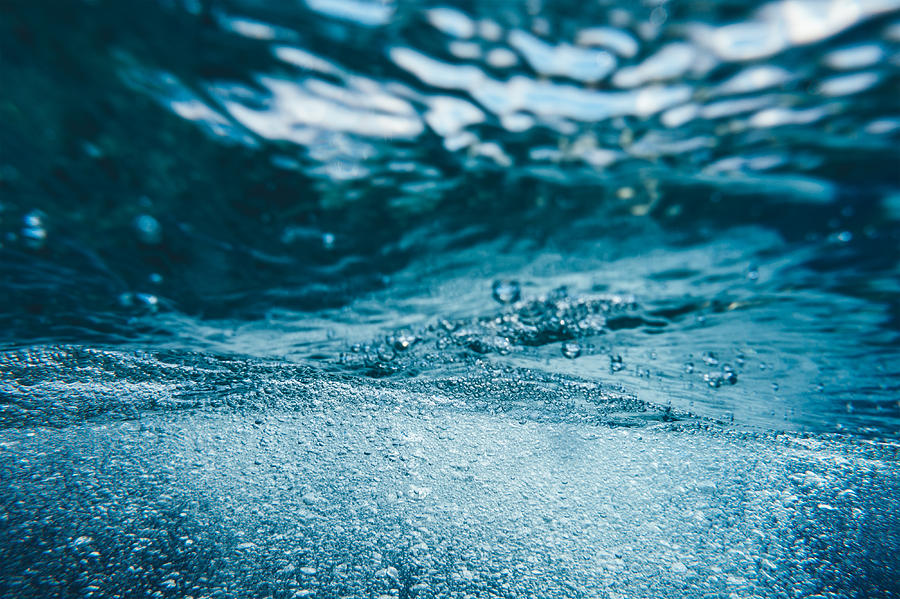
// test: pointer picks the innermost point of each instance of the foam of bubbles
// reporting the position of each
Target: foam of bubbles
(304, 486)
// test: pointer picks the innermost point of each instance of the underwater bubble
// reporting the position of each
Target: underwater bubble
(386, 353)
(33, 232)
(148, 300)
(844, 236)
(506, 292)
(729, 376)
(571, 350)
(713, 379)
(35, 218)
(148, 229)
(616, 363)
(155, 278)
(402, 341)
(689, 367)
(328, 240)
(710, 358)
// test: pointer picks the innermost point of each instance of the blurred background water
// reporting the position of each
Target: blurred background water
(680, 211)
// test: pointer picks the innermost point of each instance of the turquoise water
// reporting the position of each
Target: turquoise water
(340, 298)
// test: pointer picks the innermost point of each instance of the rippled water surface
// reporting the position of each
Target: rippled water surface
(373, 298)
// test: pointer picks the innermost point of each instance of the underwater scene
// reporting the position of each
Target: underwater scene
(457, 299)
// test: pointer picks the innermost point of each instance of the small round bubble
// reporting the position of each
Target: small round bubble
(506, 292)
(616, 363)
(148, 229)
(571, 350)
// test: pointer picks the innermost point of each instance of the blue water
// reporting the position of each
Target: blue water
(357, 298)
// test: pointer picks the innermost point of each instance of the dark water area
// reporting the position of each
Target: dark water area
(383, 298)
